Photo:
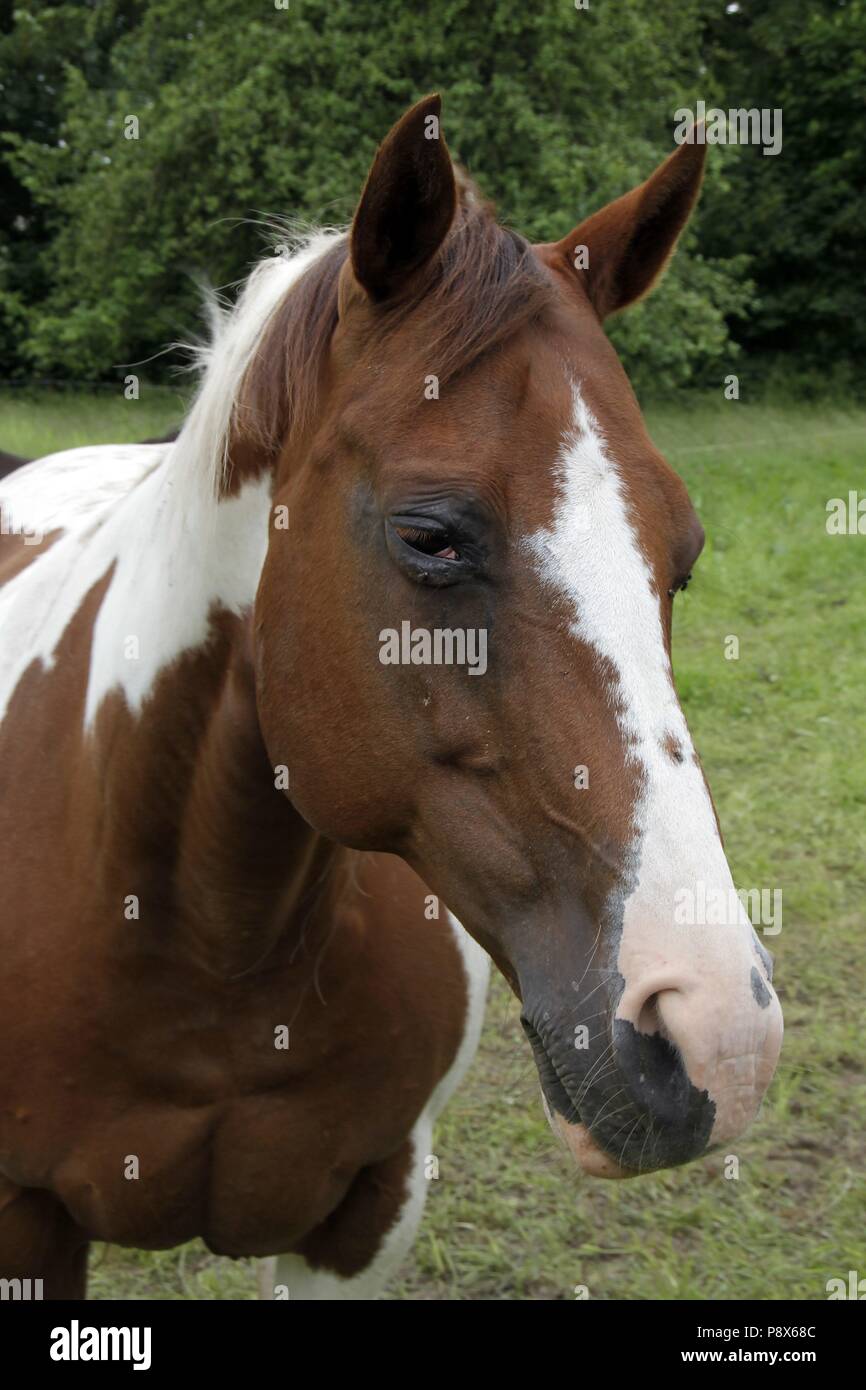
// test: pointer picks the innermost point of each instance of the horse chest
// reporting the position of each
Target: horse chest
(164, 1091)
(236, 1122)
(250, 1177)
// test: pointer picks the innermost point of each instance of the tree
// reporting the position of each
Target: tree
(203, 119)
(801, 214)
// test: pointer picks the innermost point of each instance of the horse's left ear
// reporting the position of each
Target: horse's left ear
(407, 205)
(622, 250)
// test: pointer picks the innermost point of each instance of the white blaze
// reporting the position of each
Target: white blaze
(593, 556)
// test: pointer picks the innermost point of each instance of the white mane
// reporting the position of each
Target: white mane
(201, 450)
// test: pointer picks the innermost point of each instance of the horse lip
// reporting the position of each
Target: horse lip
(555, 1090)
(564, 1116)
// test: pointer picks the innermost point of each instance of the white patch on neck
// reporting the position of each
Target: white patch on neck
(592, 555)
(118, 507)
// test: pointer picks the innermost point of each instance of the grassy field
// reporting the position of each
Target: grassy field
(783, 738)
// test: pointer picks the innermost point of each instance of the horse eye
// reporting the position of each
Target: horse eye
(433, 543)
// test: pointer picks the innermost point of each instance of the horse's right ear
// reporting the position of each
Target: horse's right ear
(628, 243)
(407, 205)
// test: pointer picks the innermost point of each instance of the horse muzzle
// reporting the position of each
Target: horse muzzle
(658, 1085)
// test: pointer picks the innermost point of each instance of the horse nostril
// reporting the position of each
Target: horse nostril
(648, 1015)
(648, 1019)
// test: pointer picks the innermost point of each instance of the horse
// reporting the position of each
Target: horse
(256, 872)
(10, 462)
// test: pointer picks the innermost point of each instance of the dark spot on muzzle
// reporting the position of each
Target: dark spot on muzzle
(763, 954)
(759, 989)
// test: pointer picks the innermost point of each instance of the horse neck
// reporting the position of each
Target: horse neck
(236, 865)
(249, 869)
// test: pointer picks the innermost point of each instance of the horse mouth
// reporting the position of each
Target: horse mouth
(563, 1115)
(554, 1089)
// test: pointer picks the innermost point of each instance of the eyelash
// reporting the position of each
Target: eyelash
(432, 543)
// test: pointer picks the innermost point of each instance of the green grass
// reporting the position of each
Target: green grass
(34, 423)
(781, 733)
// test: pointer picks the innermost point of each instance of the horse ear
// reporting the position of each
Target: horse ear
(622, 250)
(407, 205)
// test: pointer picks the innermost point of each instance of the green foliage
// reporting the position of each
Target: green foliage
(37, 50)
(248, 112)
(801, 214)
